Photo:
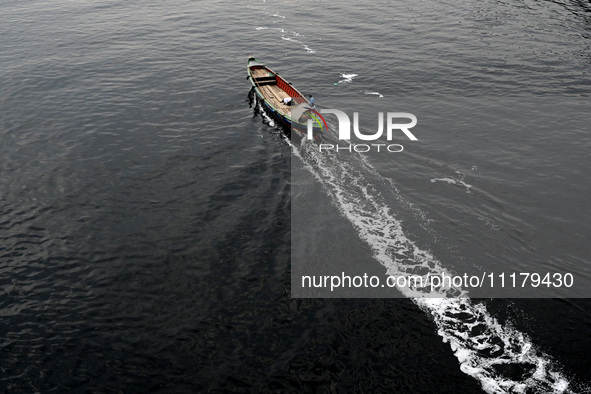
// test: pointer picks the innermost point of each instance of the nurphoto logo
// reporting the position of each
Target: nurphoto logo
(345, 130)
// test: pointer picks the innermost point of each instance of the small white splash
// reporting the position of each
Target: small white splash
(451, 181)
(288, 36)
(263, 113)
(375, 94)
(491, 224)
(270, 28)
(347, 77)
(306, 48)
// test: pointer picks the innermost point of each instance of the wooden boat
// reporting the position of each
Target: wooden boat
(271, 89)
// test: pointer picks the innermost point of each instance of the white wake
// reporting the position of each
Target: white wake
(499, 356)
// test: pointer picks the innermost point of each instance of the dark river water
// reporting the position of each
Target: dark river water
(146, 199)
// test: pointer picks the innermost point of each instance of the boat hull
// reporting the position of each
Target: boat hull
(270, 89)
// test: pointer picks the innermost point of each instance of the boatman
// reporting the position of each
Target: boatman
(287, 101)
(312, 101)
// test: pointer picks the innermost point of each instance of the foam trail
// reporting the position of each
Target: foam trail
(286, 35)
(499, 356)
(458, 182)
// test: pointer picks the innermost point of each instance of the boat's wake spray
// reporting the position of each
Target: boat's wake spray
(500, 357)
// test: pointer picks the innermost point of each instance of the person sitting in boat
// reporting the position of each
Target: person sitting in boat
(287, 101)
(312, 101)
